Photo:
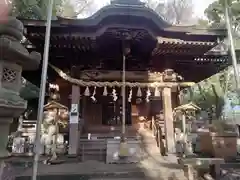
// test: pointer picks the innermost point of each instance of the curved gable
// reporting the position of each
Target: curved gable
(119, 13)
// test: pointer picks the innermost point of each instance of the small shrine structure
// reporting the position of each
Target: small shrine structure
(54, 125)
(186, 114)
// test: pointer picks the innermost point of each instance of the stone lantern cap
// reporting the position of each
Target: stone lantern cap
(187, 107)
(12, 51)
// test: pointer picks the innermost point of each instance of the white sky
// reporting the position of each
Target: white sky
(199, 5)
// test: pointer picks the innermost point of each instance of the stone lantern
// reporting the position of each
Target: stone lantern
(14, 58)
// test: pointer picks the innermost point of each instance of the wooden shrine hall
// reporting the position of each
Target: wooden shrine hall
(86, 61)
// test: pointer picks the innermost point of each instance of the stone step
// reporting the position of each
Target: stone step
(28, 127)
(29, 122)
(102, 136)
(92, 149)
(94, 176)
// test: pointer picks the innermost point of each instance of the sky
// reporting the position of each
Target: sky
(199, 5)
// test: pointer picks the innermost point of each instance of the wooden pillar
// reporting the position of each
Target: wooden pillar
(74, 121)
(168, 120)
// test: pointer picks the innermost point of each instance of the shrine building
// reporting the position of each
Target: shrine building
(86, 61)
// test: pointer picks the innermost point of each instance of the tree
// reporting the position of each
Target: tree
(71, 9)
(203, 23)
(216, 13)
(85, 6)
(33, 9)
(67, 10)
(174, 11)
(36, 9)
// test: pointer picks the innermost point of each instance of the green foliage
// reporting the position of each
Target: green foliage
(215, 94)
(202, 23)
(67, 9)
(216, 12)
(34, 9)
(211, 93)
(37, 9)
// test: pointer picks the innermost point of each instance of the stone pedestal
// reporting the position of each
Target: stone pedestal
(14, 57)
(222, 145)
(4, 131)
(134, 155)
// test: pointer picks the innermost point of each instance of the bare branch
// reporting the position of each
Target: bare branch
(83, 4)
(175, 11)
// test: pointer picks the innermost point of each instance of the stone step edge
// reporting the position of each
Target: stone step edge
(122, 174)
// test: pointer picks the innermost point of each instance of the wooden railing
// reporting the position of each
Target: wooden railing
(158, 132)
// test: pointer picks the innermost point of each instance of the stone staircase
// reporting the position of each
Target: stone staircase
(152, 128)
(157, 166)
(28, 127)
(149, 143)
(111, 131)
(93, 149)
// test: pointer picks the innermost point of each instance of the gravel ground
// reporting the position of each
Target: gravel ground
(10, 172)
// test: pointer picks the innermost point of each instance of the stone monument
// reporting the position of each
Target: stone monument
(14, 58)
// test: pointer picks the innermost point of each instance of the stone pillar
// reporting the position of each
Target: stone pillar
(168, 120)
(14, 58)
(74, 133)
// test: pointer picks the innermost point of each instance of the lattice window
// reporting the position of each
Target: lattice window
(9, 75)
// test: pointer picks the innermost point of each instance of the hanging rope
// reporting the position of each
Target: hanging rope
(116, 83)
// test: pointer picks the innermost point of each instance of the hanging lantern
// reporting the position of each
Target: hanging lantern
(130, 96)
(93, 95)
(148, 95)
(114, 94)
(87, 92)
(139, 92)
(157, 92)
(105, 92)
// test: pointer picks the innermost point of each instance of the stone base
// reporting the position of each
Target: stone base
(4, 132)
(113, 154)
(11, 105)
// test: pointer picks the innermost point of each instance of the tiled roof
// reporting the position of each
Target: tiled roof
(162, 40)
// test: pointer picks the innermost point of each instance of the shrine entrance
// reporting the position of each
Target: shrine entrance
(112, 112)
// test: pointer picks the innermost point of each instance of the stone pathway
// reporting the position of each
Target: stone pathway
(157, 166)
(10, 172)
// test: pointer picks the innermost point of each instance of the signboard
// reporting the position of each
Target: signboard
(74, 108)
(73, 119)
(74, 114)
